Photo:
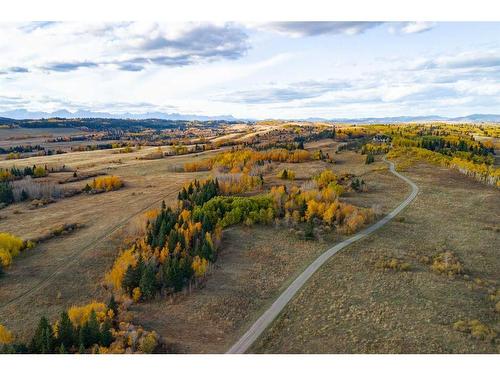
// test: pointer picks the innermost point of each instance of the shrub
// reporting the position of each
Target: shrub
(393, 264)
(39, 172)
(481, 331)
(287, 174)
(148, 343)
(369, 159)
(325, 178)
(476, 329)
(447, 263)
(10, 246)
(136, 294)
(40, 190)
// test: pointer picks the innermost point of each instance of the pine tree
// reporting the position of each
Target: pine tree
(66, 331)
(62, 349)
(309, 230)
(83, 337)
(24, 195)
(93, 329)
(6, 194)
(106, 338)
(42, 341)
(148, 282)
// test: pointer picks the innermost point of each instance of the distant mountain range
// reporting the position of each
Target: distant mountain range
(476, 118)
(22, 114)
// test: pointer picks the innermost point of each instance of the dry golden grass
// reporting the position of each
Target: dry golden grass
(349, 306)
(255, 265)
(69, 269)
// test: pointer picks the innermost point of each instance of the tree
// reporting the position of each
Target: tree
(24, 195)
(65, 331)
(106, 338)
(6, 336)
(43, 339)
(94, 332)
(309, 230)
(6, 194)
(130, 279)
(112, 305)
(62, 349)
(148, 282)
(369, 159)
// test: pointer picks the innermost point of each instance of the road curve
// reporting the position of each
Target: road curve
(268, 317)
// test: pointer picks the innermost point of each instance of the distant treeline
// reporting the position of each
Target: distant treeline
(105, 124)
(21, 149)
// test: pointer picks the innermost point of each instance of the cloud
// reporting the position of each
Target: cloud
(410, 27)
(469, 60)
(33, 26)
(314, 28)
(128, 46)
(14, 69)
(69, 66)
(276, 94)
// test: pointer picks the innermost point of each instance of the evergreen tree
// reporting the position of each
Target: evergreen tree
(62, 349)
(6, 194)
(93, 329)
(112, 305)
(309, 230)
(106, 338)
(24, 195)
(83, 337)
(132, 276)
(43, 339)
(65, 331)
(148, 282)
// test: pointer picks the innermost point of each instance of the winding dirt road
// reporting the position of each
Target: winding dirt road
(246, 341)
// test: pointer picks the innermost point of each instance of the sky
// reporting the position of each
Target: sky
(252, 70)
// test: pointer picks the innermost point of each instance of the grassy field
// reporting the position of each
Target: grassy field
(10, 137)
(69, 269)
(350, 305)
(353, 306)
(255, 265)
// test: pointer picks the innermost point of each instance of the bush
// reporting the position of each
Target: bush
(369, 159)
(476, 329)
(39, 172)
(393, 264)
(447, 263)
(10, 246)
(40, 190)
(148, 343)
(287, 174)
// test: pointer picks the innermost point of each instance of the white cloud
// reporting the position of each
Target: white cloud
(314, 28)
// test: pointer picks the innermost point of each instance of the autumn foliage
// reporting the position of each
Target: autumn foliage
(107, 183)
(6, 337)
(10, 247)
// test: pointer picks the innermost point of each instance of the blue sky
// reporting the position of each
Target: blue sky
(265, 70)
